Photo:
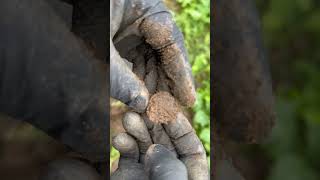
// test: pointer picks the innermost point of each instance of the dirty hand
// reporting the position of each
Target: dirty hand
(177, 136)
(159, 164)
(148, 22)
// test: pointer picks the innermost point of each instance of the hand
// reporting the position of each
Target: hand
(146, 23)
(178, 137)
(159, 164)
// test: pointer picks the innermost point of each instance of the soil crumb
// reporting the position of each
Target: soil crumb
(163, 108)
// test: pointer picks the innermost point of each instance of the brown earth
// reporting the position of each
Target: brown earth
(163, 108)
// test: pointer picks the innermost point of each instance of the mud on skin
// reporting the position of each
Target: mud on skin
(186, 139)
(162, 34)
(162, 107)
(149, 22)
(163, 66)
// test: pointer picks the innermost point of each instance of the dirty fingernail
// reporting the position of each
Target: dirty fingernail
(140, 102)
(135, 126)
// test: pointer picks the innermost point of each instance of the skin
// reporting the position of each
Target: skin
(137, 22)
(65, 82)
(51, 79)
(145, 51)
(179, 140)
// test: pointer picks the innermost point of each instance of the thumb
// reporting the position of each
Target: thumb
(125, 85)
(162, 164)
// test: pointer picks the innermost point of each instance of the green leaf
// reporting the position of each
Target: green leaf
(201, 118)
(205, 135)
(114, 155)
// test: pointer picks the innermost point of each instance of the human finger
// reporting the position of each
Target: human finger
(189, 147)
(161, 32)
(125, 85)
(162, 164)
(136, 127)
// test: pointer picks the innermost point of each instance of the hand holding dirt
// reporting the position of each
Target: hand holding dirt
(177, 136)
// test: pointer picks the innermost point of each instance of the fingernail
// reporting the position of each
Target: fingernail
(140, 102)
(132, 122)
(123, 142)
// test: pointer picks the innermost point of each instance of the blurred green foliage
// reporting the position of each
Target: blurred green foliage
(114, 155)
(292, 37)
(193, 18)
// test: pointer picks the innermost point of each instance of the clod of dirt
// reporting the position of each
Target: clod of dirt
(163, 108)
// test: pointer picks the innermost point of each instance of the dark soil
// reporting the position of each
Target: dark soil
(163, 108)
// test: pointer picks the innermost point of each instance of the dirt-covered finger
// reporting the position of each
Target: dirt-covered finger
(188, 147)
(145, 65)
(184, 137)
(158, 134)
(163, 35)
(127, 146)
(125, 85)
(135, 126)
(197, 166)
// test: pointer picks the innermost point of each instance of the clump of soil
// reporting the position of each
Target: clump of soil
(163, 108)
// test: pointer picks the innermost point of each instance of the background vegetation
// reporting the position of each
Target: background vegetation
(292, 37)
